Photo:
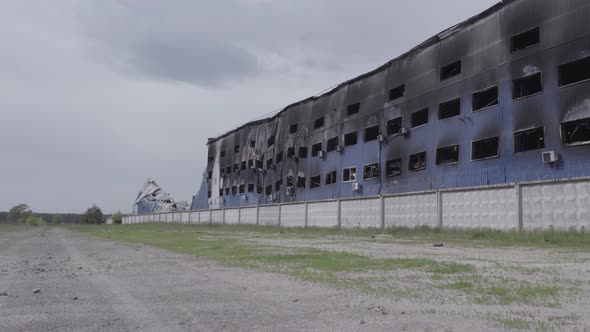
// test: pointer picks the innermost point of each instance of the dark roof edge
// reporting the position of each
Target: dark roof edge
(427, 43)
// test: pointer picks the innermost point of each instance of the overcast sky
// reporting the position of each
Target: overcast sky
(98, 95)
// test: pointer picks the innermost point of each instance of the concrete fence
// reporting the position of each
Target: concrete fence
(560, 204)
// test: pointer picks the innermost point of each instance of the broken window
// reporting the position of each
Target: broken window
(332, 144)
(243, 165)
(371, 133)
(228, 170)
(290, 181)
(527, 86)
(450, 70)
(331, 177)
(242, 189)
(318, 123)
(485, 98)
(350, 139)
(279, 157)
(397, 92)
(259, 164)
(236, 148)
(211, 159)
(222, 153)
(209, 194)
(349, 174)
(393, 167)
(251, 163)
(293, 129)
(315, 149)
(353, 109)
(210, 175)
(525, 40)
(220, 192)
(251, 187)
(259, 189)
(576, 132)
(419, 118)
(531, 139)
(370, 171)
(301, 182)
(271, 141)
(291, 152)
(222, 171)
(484, 149)
(447, 156)
(303, 152)
(269, 163)
(315, 182)
(236, 168)
(394, 126)
(449, 109)
(227, 191)
(417, 162)
(252, 144)
(268, 190)
(234, 190)
(278, 185)
(574, 72)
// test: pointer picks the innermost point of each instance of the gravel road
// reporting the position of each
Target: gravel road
(89, 284)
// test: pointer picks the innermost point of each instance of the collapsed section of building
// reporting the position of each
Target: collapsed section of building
(503, 97)
(152, 199)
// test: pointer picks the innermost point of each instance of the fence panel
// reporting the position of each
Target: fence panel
(322, 214)
(248, 216)
(293, 215)
(205, 217)
(561, 205)
(217, 217)
(194, 217)
(361, 213)
(483, 208)
(411, 210)
(268, 215)
(232, 216)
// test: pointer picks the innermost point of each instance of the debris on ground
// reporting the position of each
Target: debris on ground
(3, 293)
(438, 245)
(36, 290)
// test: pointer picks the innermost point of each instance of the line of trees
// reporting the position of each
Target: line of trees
(22, 214)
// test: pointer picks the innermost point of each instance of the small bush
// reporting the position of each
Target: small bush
(34, 220)
(117, 218)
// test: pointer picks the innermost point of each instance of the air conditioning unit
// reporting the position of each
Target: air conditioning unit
(357, 186)
(380, 138)
(321, 154)
(339, 148)
(550, 157)
(403, 131)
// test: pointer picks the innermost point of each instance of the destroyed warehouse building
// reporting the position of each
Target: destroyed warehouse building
(503, 97)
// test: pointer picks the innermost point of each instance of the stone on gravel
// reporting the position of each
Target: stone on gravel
(36, 290)
(438, 245)
(3, 293)
(75, 298)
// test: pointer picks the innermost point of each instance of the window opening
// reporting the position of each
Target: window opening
(331, 177)
(485, 98)
(243, 165)
(449, 109)
(293, 128)
(531, 139)
(279, 157)
(447, 156)
(484, 149)
(419, 118)
(268, 190)
(349, 174)
(574, 72)
(271, 141)
(394, 126)
(450, 70)
(370, 171)
(278, 185)
(291, 152)
(576, 132)
(315, 149)
(250, 187)
(397, 92)
(252, 144)
(269, 163)
(236, 148)
(318, 123)
(393, 167)
(290, 181)
(332, 144)
(315, 182)
(353, 109)
(525, 40)
(527, 86)
(417, 162)
(350, 139)
(303, 152)
(301, 182)
(371, 133)
(242, 189)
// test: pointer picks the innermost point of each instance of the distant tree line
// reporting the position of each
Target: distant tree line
(22, 214)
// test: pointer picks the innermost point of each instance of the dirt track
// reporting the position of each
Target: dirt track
(122, 287)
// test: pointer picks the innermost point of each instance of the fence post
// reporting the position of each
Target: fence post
(223, 217)
(210, 216)
(257, 215)
(519, 216)
(239, 216)
(280, 208)
(439, 209)
(339, 214)
(382, 210)
(306, 203)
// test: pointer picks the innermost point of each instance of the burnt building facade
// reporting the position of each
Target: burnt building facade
(503, 97)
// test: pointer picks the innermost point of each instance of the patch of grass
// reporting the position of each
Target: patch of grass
(458, 285)
(514, 323)
(5, 228)
(518, 292)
